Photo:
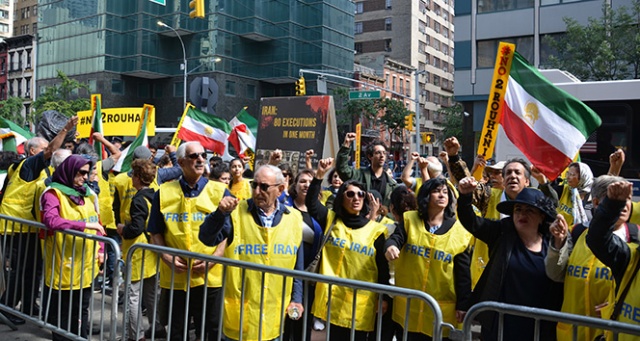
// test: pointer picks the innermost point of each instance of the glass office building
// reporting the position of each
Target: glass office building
(252, 49)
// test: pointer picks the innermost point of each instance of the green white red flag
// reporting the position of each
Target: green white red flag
(13, 136)
(124, 162)
(96, 125)
(212, 132)
(544, 122)
(244, 132)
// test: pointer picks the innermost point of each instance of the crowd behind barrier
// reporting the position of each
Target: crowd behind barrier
(109, 324)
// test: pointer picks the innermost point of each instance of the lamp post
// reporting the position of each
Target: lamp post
(184, 62)
(417, 100)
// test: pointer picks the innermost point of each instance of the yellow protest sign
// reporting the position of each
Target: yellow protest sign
(358, 144)
(487, 143)
(117, 122)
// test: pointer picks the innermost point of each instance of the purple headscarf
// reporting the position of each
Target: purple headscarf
(64, 175)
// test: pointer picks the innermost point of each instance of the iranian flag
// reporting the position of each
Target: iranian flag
(212, 132)
(96, 125)
(13, 136)
(244, 132)
(124, 162)
(546, 123)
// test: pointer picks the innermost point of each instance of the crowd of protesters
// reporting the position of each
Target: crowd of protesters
(568, 245)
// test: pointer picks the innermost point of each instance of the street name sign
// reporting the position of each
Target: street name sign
(373, 94)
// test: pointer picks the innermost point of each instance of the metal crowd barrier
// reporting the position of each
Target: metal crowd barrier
(380, 290)
(538, 315)
(23, 260)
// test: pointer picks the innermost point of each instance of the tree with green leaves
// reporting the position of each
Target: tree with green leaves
(11, 109)
(392, 118)
(60, 97)
(349, 111)
(452, 123)
(607, 48)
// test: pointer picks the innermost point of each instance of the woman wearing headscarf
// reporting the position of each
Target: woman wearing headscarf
(71, 263)
(355, 250)
(515, 273)
(575, 198)
(435, 251)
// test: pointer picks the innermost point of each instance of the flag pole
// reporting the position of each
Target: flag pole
(175, 141)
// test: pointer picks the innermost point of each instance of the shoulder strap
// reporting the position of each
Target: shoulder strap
(618, 307)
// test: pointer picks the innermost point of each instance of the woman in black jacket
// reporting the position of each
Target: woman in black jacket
(515, 273)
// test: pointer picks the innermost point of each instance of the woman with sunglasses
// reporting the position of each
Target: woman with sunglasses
(311, 239)
(239, 186)
(436, 253)
(70, 263)
(355, 250)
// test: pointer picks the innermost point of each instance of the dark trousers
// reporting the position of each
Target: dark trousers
(342, 334)
(68, 310)
(194, 308)
(111, 259)
(25, 271)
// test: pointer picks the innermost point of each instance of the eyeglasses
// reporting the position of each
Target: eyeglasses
(194, 156)
(263, 187)
(351, 194)
(83, 172)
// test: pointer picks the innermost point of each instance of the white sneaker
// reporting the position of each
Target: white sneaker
(318, 324)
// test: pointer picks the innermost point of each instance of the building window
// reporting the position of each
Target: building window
(401, 86)
(358, 27)
(393, 83)
(358, 47)
(387, 4)
(485, 6)
(35, 10)
(251, 91)
(117, 86)
(422, 47)
(178, 89)
(422, 26)
(230, 88)
(387, 24)
(35, 28)
(487, 50)
(387, 45)
(359, 7)
(387, 82)
(407, 87)
(93, 86)
(436, 80)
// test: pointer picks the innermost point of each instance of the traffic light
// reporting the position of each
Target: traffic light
(427, 137)
(197, 9)
(408, 122)
(301, 88)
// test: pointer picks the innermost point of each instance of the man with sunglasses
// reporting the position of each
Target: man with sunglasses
(177, 210)
(264, 231)
(374, 176)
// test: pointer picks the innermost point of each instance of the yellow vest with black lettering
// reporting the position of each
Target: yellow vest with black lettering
(349, 253)
(241, 190)
(587, 283)
(64, 254)
(630, 312)
(565, 206)
(105, 200)
(426, 264)
(18, 201)
(275, 246)
(183, 235)
(480, 257)
(149, 258)
(123, 184)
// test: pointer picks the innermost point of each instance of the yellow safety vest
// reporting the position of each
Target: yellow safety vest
(326, 194)
(150, 258)
(349, 253)
(241, 190)
(275, 246)
(565, 206)
(105, 200)
(18, 201)
(480, 257)
(123, 183)
(630, 312)
(421, 251)
(587, 283)
(64, 254)
(183, 217)
(635, 213)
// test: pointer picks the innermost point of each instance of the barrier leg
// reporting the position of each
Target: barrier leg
(5, 320)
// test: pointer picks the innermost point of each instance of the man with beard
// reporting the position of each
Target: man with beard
(373, 177)
(177, 210)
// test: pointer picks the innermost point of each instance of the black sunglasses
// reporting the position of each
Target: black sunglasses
(194, 156)
(83, 172)
(263, 187)
(351, 194)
